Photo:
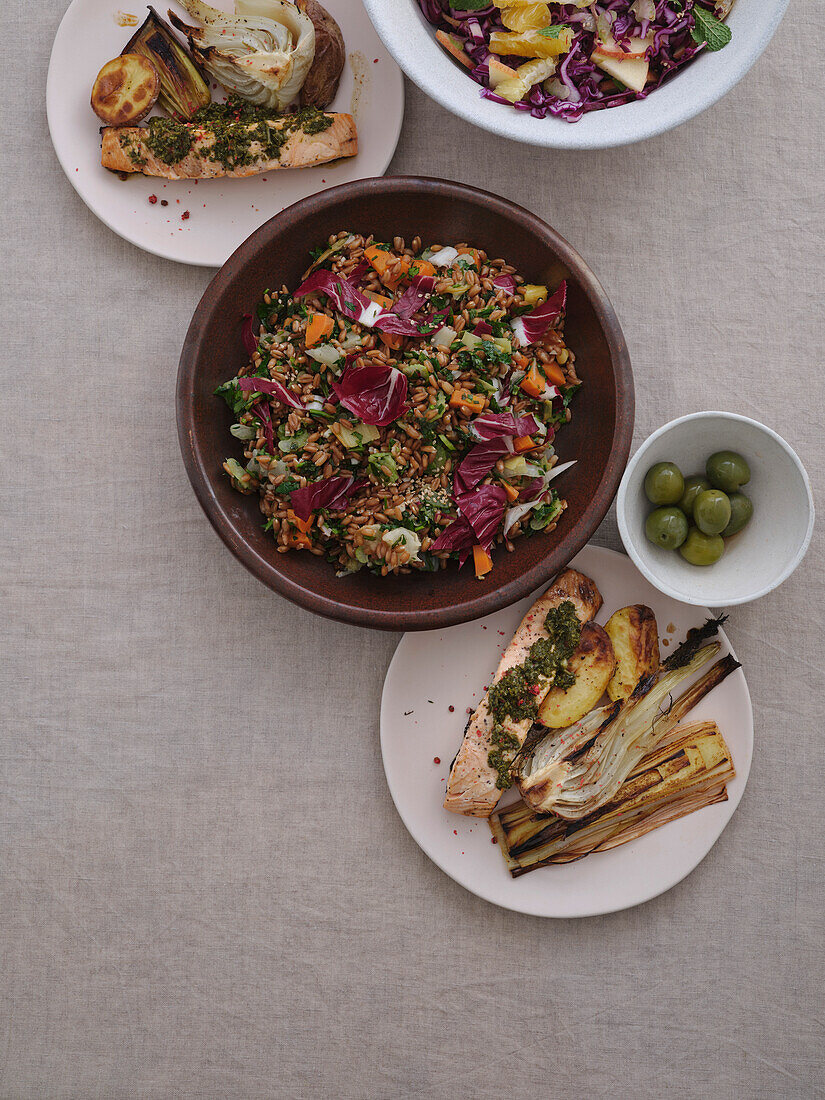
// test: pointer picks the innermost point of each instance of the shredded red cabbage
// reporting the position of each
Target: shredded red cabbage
(331, 493)
(274, 389)
(374, 392)
(586, 87)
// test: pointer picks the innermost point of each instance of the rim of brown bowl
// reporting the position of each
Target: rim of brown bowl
(417, 601)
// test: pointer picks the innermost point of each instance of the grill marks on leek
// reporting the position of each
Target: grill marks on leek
(183, 91)
(688, 769)
(558, 777)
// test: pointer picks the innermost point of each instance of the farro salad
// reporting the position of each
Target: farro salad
(399, 408)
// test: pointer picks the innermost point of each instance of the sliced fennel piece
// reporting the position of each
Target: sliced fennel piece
(515, 513)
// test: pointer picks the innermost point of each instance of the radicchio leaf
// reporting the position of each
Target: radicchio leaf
(374, 392)
(494, 425)
(458, 537)
(483, 329)
(271, 387)
(496, 432)
(331, 493)
(506, 283)
(483, 509)
(532, 326)
(250, 340)
(261, 410)
(349, 300)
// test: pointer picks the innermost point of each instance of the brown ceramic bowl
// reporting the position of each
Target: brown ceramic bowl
(598, 436)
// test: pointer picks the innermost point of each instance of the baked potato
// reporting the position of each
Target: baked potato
(593, 663)
(635, 638)
(321, 82)
(125, 90)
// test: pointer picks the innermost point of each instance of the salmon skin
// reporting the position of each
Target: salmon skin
(471, 787)
(124, 149)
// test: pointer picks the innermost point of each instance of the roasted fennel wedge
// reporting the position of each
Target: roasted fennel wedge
(689, 769)
(560, 776)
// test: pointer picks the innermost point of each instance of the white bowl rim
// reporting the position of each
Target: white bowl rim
(385, 18)
(621, 511)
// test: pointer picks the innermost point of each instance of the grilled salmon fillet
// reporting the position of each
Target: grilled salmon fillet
(124, 149)
(471, 787)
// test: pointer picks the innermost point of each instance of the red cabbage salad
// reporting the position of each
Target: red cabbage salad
(568, 59)
(398, 409)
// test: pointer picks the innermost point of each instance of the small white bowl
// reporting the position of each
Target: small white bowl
(761, 556)
(411, 40)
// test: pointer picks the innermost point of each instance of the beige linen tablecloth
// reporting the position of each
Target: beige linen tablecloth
(206, 891)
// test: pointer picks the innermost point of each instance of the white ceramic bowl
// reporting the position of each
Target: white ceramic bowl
(761, 556)
(411, 40)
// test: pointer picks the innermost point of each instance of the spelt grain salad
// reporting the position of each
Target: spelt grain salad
(399, 408)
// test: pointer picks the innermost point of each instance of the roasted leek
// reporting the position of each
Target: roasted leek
(688, 769)
(183, 90)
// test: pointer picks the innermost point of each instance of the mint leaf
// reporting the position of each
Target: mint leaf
(550, 32)
(469, 5)
(709, 30)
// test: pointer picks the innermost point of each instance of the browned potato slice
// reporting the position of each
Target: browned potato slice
(322, 79)
(593, 663)
(635, 639)
(125, 90)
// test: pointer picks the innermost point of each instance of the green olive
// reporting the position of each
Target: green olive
(741, 510)
(711, 511)
(701, 549)
(664, 483)
(727, 471)
(667, 527)
(694, 485)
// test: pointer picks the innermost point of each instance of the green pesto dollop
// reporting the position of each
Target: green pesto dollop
(243, 133)
(168, 140)
(515, 696)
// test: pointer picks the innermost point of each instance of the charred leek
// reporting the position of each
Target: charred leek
(182, 88)
(688, 769)
(557, 777)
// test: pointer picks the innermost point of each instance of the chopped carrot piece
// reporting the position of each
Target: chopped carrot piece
(482, 561)
(391, 339)
(318, 326)
(423, 267)
(520, 360)
(511, 491)
(381, 261)
(303, 525)
(463, 399)
(379, 258)
(472, 253)
(555, 374)
(382, 299)
(534, 382)
(524, 443)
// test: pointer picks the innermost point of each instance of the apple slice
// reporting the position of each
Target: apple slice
(635, 51)
(631, 72)
(499, 71)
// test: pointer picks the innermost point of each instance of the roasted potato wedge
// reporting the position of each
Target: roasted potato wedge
(322, 79)
(593, 663)
(126, 89)
(635, 638)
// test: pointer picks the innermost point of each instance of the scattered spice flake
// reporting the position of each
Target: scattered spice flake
(436, 760)
(469, 710)
(484, 628)
(184, 216)
(153, 199)
(455, 832)
(501, 632)
(375, 61)
(164, 202)
(406, 712)
(451, 708)
(429, 700)
(665, 641)
(493, 840)
(670, 628)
